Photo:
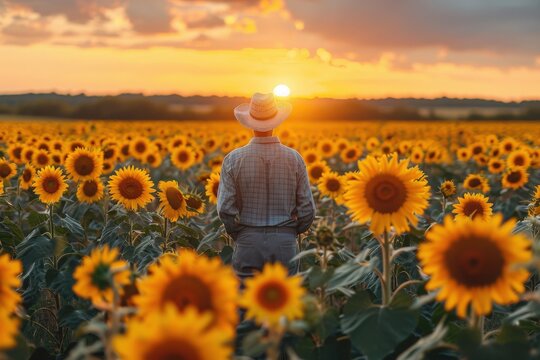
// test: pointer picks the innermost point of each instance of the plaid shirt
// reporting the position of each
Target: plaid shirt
(264, 183)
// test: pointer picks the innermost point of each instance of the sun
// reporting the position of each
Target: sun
(282, 90)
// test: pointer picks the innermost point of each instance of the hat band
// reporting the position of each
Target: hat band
(256, 117)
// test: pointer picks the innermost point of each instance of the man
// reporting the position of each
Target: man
(264, 197)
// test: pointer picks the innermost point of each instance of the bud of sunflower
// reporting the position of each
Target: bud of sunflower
(324, 236)
(448, 188)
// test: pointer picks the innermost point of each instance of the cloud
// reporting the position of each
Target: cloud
(489, 25)
(22, 31)
(77, 11)
(149, 18)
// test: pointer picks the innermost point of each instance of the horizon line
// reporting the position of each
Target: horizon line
(113, 94)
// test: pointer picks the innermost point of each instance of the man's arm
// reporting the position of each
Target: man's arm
(227, 206)
(305, 205)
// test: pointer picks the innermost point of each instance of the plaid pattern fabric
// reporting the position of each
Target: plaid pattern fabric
(264, 183)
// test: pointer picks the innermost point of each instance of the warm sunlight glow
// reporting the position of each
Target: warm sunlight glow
(282, 90)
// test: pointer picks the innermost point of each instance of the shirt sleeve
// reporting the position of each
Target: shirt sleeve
(305, 205)
(227, 203)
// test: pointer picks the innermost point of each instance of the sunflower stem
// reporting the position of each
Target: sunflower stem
(387, 269)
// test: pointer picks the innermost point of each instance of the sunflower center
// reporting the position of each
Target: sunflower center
(333, 185)
(174, 197)
(151, 159)
(351, 154)
(272, 296)
(183, 156)
(514, 177)
(519, 161)
(473, 208)
(51, 184)
(90, 188)
(5, 170)
(84, 165)
(101, 277)
(496, 165)
(27, 175)
(326, 148)
(385, 193)
(193, 202)
(42, 159)
(474, 262)
(188, 290)
(130, 188)
(316, 172)
(125, 150)
(140, 147)
(310, 158)
(163, 350)
(475, 182)
(477, 150)
(17, 152)
(109, 153)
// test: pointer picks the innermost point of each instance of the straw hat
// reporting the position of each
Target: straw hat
(264, 113)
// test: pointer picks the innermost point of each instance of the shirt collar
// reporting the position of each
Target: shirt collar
(264, 140)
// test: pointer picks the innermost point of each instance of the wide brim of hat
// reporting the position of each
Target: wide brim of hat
(242, 114)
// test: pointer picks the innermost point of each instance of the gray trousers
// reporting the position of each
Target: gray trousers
(256, 246)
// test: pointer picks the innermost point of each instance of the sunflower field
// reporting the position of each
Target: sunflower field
(425, 244)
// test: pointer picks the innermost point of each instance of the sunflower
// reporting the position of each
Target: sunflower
(349, 154)
(496, 166)
(473, 206)
(15, 153)
(41, 158)
(475, 262)
(84, 164)
(177, 141)
(326, 148)
(170, 334)
(515, 178)
(273, 295)
(139, 147)
(131, 187)
(477, 148)
(448, 188)
(191, 280)
(507, 145)
(464, 154)
(476, 182)
(7, 169)
(9, 281)
(57, 157)
(212, 186)
(10, 329)
(331, 184)
(1, 187)
(387, 193)
(172, 202)
(518, 158)
(183, 157)
(153, 159)
(417, 155)
(50, 184)
(316, 169)
(194, 204)
(27, 177)
(310, 156)
(97, 274)
(108, 167)
(27, 153)
(211, 144)
(372, 143)
(90, 191)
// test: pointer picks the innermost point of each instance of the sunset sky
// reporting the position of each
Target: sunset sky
(330, 48)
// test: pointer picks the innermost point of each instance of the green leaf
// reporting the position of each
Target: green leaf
(35, 218)
(376, 330)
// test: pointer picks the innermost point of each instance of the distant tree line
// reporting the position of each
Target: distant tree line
(156, 108)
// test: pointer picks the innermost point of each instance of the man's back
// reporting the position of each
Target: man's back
(265, 183)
